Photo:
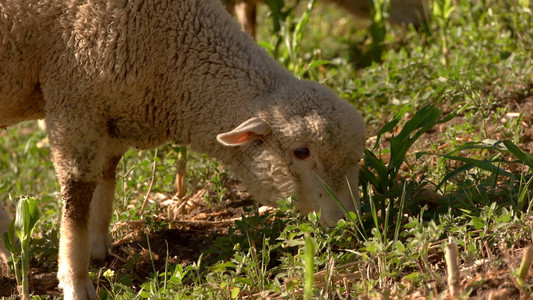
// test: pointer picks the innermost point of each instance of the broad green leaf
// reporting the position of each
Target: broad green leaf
(399, 246)
(482, 164)
(391, 124)
(235, 292)
(424, 119)
(524, 157)
(367, 176)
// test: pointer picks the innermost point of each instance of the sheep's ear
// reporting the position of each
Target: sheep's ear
(250, 130)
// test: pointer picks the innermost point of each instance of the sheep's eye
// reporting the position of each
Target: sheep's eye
(258, 142)
(301, 153)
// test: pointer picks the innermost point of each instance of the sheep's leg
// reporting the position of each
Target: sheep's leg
(78, 154)
(74, 239)
(246, 14)
(102, 209)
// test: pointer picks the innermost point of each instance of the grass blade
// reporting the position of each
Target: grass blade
(454, 173)
(309, 261)
(332, 194)
(482, 164)
(525, 158)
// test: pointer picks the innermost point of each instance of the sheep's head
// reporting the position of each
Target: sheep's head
(303, 138)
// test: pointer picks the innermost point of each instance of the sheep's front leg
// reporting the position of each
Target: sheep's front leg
(78, 156)
(74, 239)
(101, 210)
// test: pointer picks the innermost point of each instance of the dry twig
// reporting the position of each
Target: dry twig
(525, 264)
(452, 263)
(151, 183)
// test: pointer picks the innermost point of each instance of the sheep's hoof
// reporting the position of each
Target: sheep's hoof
(77, 289)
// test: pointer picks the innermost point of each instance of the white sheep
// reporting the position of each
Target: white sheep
(110, 75)
(401, 11)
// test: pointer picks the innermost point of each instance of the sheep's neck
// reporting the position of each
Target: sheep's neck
(224, 78)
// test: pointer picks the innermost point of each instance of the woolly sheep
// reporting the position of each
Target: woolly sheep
(109, 75)
(402, 11)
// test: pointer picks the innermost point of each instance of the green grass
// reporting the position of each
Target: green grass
(422, 182)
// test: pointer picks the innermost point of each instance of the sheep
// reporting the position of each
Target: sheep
(402, 11)
(111, 75)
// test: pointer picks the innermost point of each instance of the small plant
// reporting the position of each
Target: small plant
(381, 177)
(441, 12)
(21, 228)
(493, 165)
(521, 272)
(218, 185)
(288, 34)
(379, 10)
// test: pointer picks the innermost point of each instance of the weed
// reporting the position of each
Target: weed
(20, 231)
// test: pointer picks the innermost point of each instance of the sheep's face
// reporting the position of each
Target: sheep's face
(296, 150)
(311, 169)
